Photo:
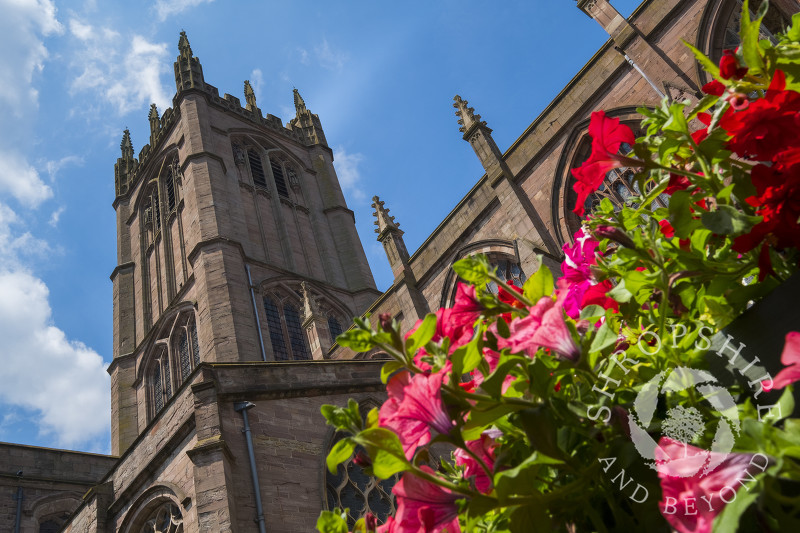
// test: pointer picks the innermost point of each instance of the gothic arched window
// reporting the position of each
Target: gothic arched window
(166, 518)
(160, 379)
(508, 270)
(51, 526)
(280, 177)
(285, 329)
(175, 356)
(187, 349)
(334, 327)
(256, 169)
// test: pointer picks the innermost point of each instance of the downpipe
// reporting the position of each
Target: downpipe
(255, 310)
(242, 407)
(18, 497)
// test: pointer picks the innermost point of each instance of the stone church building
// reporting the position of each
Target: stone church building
(239, 264)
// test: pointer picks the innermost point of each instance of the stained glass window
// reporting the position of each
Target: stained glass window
(275, 330)
(166, 518)
(508, 271)
(195, 345)
(334, 327)
(297, 337)
(158, 390)
(350, 488)
(183, 355)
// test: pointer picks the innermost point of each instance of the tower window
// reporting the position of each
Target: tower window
(169, 187)
(256, 169)
(156, 211)
(334, 327)
(280, 179)
(285, 331)
(183, 354)
(296, 336)
(275, 330)
(160, 382)
(195, 345)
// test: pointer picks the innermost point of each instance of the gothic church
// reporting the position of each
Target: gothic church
(238, 264)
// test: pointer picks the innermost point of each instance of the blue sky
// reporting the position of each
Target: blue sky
(380, 75)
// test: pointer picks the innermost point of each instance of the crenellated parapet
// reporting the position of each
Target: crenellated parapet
(305, 128)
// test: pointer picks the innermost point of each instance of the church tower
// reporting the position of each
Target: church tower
(228, 224)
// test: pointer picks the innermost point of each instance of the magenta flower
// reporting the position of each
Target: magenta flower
(576, 267)
(692, 500)
(414, 408)
(423, 507)
(544, 326)
(483, 448)
(467, 308)
(791, 360)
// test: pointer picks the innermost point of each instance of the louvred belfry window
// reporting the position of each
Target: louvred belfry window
(160, 379)
(256, 169)
(280, 179)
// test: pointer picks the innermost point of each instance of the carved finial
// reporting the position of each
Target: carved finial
(299, 104)
(466, 115)
(249, 94)
(309, 302)
(384, 221)
(126, 145)
(183, 44)
(153, 115)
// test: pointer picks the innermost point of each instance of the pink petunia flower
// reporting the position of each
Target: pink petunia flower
(692, 500)
(791, 360)
(483, 448)
(543, 327)
(414, 408)
(423, 507)
(576, 268)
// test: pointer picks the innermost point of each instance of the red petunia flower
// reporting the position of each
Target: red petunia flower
(729, 66)
(714, 87)
(791, 361)
(768, 126)
(607, 136)
(666, 228)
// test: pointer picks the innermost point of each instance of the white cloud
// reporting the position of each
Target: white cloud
(348, 173)
(21, 180)
(257, 81)
(53, 167)
(303, 55)
(64, 381)
(55, 216)
(14, 246)
(328, 57)
(167, 8)
(22, 26)
(125, 73)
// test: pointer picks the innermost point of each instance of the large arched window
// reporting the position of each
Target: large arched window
(350, 488)
(285, 329)
(174, 356)
(166, 518)
(160, 379)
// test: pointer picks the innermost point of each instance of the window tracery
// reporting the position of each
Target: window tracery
(166, 518)
(350, 488)
(176, 354)
(286, 333)
(508, 270)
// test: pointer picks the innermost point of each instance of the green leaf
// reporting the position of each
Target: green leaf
(372, 417)
(466, 358)
(479, 420)
(604, 338)
(389, 368)
(727, 220)
(592, 311)
(422, 335)
(333, 522)
(708, 65)
(538, 285)
(728, 520)
(521, 480)
(359, 340)
(749, 32)
(385, 450)
(340, 452)
(620, 293)
(680, 214)
(794, 30)
(473, 269)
